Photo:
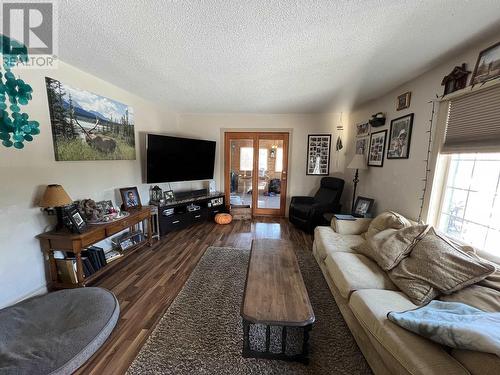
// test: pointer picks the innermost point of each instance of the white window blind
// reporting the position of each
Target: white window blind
(473, 123)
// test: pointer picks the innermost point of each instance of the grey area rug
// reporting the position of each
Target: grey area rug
(201, 332)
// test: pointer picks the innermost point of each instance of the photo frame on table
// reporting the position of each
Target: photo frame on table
(130, 198)
(169, 195)
(318, 154)
(377, 149)
(362, 206)
(404, 101)
(400, 137)
(73, 219)
(362, 130)
(487, 65)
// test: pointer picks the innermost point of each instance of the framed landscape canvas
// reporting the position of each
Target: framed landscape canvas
(87, 126)
(377, 149)
(488, 65)
(400, 137)
(318, 154)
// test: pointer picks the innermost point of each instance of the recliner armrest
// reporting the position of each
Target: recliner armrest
(358, 226)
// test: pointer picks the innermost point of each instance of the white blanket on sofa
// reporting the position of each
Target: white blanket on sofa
(453, 324)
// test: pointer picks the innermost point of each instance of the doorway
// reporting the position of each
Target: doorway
(256, 171)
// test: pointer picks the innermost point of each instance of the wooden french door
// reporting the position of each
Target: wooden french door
(256, 171)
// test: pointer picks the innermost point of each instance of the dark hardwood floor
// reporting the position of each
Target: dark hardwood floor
(149, 281)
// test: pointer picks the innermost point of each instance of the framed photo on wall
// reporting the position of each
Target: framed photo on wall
(403, 101)
(400, 137)
(377, 149)
(362, 146)
(362, 130)
(318, 154)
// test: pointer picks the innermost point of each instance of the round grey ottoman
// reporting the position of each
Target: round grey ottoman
(57, 332)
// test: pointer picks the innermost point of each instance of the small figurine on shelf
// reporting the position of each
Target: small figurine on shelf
(456, 80)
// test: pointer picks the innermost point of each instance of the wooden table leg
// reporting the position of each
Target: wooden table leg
(150, 231)
(52, 262)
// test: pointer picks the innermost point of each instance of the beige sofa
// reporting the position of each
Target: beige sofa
(365, 294)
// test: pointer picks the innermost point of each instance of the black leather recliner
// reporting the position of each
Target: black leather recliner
(307, 212)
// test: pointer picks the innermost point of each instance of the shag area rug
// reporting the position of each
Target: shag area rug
(201, 332)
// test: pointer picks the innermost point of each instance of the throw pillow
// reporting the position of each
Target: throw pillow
(436, 266)
(391, 246)
(386, 220)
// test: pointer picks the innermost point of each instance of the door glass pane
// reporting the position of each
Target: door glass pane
(240, 172)
(270, 173)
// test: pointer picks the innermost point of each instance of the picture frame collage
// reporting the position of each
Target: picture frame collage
(318, 154)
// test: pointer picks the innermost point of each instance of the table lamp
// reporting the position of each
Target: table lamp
(55, 197)
(358, 162)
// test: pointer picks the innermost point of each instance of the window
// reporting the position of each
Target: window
(279, 160)
(262, 159)
(246, 158)
(470, 209)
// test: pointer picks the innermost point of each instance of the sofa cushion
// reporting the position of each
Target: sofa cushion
(387, 220)
(351, 272)
(477, 296)
(327, 241)
(435, 265)
(417, 354)
(478, 363)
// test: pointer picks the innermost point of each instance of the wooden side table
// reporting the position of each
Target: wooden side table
(64, 240)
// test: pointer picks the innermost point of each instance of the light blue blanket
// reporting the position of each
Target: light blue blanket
(453, 324)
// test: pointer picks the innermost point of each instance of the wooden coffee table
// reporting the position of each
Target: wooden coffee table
(275, 295)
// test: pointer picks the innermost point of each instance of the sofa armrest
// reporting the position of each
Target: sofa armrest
(358, 226)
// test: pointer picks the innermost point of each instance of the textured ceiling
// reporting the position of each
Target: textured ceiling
(265, 56)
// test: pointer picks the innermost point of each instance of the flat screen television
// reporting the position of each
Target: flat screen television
(172, 159)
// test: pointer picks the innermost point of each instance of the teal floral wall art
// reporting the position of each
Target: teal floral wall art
(15, 125)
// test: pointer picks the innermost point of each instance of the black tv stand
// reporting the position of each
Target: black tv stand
(174, 215)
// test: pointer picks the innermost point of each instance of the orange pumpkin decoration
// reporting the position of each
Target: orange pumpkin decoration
(223, 218)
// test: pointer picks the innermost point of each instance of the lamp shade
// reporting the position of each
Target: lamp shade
(55, 196)
(358, 162)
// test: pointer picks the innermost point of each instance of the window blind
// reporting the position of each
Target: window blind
(473, 123)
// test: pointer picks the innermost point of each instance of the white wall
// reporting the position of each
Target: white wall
(25, 173)
(397, 185)
(212, 126)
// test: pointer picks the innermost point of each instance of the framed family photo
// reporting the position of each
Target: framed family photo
(400, 137)
(130, 197)
(377, 149)
(318, 154)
